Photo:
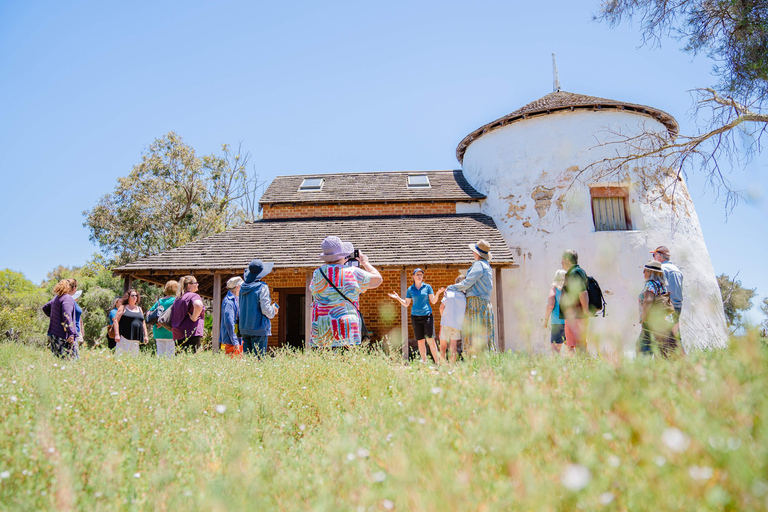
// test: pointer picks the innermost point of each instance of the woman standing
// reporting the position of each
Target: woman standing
(230, 315)
(335, 321)
(478, 330)
(166, 347)
(188, 315)
(656, 314)
(130, 328)
(78, 317)
(421, 294)
(557, 334)
(62, 328)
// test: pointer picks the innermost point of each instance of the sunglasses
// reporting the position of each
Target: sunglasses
(133, 295)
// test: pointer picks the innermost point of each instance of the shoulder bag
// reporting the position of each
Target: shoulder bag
(365, 335)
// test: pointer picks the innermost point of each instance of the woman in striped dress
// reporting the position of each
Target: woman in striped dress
(478, 332)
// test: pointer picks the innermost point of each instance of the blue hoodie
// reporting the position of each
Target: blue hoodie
(256, 309)
(230, 311)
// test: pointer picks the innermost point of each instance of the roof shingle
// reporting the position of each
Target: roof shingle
(372, 187)
(559, 101)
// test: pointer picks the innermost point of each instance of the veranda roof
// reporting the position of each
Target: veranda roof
(389, 241)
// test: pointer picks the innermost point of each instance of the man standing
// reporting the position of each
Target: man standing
(674, 280)
(574, 302)
(256, 309)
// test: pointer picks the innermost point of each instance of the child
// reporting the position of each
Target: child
(451, 318)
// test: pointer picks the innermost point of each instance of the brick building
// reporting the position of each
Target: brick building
(401, 220)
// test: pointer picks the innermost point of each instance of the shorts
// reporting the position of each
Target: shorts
(449, 333)
(423, 326)
(558, 334)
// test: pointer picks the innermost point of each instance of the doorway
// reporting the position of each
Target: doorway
(292, 317)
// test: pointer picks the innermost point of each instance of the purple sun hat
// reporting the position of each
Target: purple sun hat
(334, 249)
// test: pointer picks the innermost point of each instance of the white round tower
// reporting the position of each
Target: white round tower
(531, 165)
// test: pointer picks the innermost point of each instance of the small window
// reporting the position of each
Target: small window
(418, 181)
(610, 208)
(311, 185)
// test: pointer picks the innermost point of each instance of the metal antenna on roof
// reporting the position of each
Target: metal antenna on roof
(556, 78)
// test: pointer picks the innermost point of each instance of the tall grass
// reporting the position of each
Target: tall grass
(358, 431)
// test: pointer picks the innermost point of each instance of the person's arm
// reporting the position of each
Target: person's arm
(228, 317)
(265, 301)
(475, 273)
(648, 297)
(404, 302)
(197, 308)
(434, 296)
(47, 308)
(70, 324)
(144, 324)
(376, 278)
(584, 300)
(442, 307)
(550, 306)
(116, 322)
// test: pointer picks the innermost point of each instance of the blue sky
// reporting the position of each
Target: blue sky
(308, 87)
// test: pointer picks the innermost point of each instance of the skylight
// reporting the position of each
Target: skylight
(418, 181)
(311, 184)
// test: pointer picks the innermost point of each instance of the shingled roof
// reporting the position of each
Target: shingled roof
(371, 187)
(560, 101)
(295, 243)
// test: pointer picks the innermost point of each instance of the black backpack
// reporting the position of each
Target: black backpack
(595, 294)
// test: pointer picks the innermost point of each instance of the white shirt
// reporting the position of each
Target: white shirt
(453, 314)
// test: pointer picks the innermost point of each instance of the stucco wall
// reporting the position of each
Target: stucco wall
(527, 170)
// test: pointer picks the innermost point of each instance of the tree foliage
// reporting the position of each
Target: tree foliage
(734, 34)
(736, 299)
(20, 303)
(172, 197)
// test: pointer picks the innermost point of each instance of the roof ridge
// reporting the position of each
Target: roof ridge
(321, 174)
(368, 217)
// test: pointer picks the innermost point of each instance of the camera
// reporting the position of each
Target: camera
(352, 259)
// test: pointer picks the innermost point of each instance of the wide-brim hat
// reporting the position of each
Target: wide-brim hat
(653, 266)
(77, 294)
(334, 249)
(482, 249)
(256, 270)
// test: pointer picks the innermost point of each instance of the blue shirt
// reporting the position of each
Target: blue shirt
(230, 314)
(554, 317)
(674, 283)
(78, 314)
(420, 298)
(479, 281)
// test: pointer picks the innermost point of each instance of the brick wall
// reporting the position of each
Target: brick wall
(307, 210)
(381, 313)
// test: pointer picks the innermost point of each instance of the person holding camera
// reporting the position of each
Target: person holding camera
(335, 321)
(421, 295)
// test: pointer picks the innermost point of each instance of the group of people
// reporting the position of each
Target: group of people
(336, 321)
(660, 303)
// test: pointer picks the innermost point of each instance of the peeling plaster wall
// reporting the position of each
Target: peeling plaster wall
(527, 168)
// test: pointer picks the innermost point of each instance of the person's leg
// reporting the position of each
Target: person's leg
(454, 350)
(429, 329)
(111, 343)
(433, 349)
(443, 342)
(644, 342)
(418, 323)
(248, 346)
(263, 345)
(570, 336)
(422, 350)
(557, 337)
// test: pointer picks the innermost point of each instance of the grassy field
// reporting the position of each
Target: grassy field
(358, 431)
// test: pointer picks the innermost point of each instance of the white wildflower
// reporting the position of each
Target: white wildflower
(350, 456)
(534, 372)
(660, 461)
(13, 398)
(221, 409)
(734, 443)
(575, 477)
(5, 474)
(137, 475)
(363, 453)
(608, 436)
(437, 391)
(606, 498)
(614, 461)
(422, 421)
(379, 476)
(302, 427)
(675, 440)
(388, 504)
(700, 472)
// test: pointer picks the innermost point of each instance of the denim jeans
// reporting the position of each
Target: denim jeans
(255, 345)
